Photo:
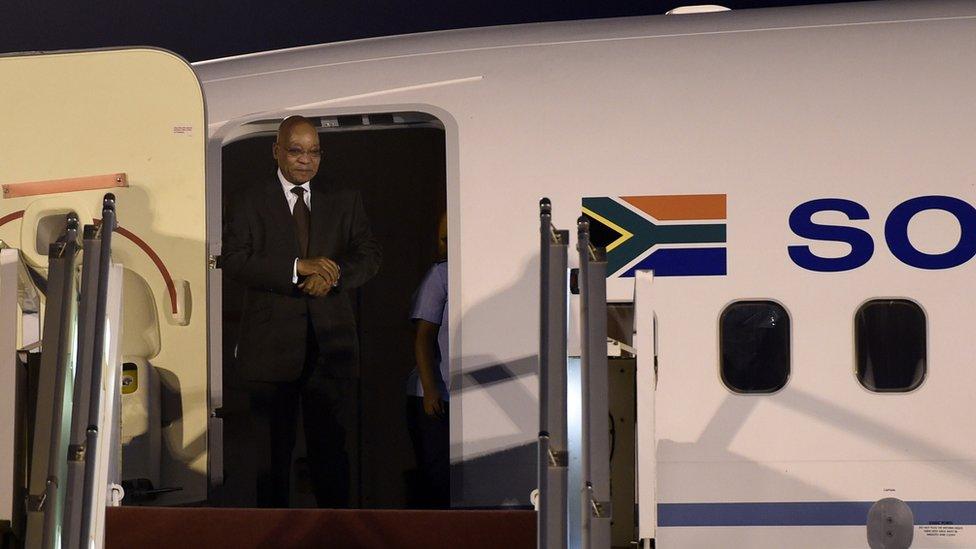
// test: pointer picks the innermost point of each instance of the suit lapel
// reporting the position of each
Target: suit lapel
(323, 218)
(281, 215)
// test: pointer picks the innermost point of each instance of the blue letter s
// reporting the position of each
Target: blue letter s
(862, 246)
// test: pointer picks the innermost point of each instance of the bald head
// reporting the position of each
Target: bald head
(288, 124)
(297, 150)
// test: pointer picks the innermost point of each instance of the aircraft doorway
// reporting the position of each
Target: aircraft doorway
(397, 162)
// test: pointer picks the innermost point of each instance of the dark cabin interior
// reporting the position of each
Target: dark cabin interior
(398, 163)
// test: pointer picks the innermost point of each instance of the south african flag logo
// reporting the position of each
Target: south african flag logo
(674, 235)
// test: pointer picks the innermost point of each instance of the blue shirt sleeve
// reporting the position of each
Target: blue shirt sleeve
(431, 297)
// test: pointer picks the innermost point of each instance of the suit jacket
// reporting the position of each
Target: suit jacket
(259, 250)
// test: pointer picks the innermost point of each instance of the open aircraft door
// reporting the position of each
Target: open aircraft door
(131, 122)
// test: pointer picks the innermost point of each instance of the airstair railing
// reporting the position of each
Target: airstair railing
(646, 406)
(594, 397)
(11, 382)
(91, 243)
(48, 466)
(88, 381)
(108, 226)
(553, 439)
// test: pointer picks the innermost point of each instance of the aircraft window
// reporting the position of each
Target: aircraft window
(755, 346)
(890, 345)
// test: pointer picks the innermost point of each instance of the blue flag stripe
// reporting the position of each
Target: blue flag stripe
(683, 262)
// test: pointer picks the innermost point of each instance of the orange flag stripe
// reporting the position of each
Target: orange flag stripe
(680, 206)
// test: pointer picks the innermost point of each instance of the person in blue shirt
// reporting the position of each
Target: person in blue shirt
(427, 389)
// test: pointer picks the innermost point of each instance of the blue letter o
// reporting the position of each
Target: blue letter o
(896, 232)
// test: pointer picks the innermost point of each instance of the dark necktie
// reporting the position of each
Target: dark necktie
(302, 217)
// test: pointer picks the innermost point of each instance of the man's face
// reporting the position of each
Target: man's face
(298, 153)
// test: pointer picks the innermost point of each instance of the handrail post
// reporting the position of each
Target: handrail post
(81, 400)
(12, 394)
(552, 472)
(98, 355)
(45, 495)
(595, 456)
(646, 406)
(79, 487)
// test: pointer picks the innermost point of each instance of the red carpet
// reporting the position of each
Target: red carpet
(209, 528)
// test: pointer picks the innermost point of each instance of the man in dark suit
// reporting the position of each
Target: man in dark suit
(299, 247)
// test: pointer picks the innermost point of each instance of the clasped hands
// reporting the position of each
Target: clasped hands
(321, 275)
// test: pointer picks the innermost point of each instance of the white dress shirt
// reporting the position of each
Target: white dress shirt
(292, 198)
(287, 186)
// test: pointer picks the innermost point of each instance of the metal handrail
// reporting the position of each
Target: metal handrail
(108, 226)
(44, 485)
(553, 437)
(594, 399)
(84, 365)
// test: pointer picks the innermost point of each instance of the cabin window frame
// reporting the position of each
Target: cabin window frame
(855, 346)
(789, 342)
